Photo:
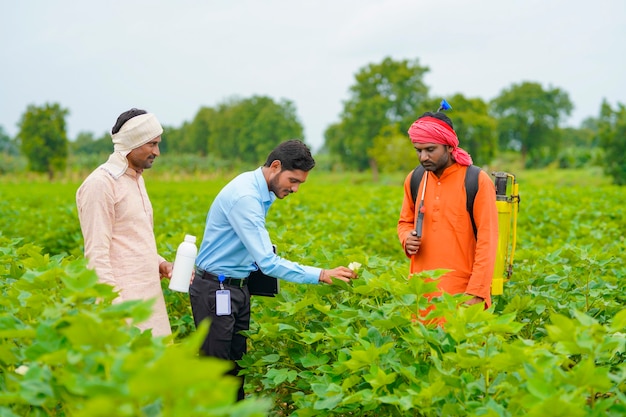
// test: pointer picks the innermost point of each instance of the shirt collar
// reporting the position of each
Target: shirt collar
(266, 195)
(450, 170)
(117, 165)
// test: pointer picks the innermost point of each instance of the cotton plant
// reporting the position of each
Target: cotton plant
(354, 266)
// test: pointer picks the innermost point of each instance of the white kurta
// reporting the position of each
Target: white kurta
(116, 219)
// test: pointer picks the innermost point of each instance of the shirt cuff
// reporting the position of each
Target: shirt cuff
(312, 274)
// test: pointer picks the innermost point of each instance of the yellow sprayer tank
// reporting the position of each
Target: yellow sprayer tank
(508, 206)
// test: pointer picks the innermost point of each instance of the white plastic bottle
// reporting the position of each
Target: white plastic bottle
(183, 264)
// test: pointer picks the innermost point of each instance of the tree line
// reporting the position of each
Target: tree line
(386, 97)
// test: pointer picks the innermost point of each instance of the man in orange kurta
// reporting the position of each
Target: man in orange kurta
(447, 240)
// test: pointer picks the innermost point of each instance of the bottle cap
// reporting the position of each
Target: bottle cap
(190, 238)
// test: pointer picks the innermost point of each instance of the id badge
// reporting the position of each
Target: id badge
(222, 302)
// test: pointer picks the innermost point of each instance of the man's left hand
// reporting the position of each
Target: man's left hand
(165, 269)
(474, 300)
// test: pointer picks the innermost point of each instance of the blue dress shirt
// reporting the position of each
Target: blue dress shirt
(236, 240)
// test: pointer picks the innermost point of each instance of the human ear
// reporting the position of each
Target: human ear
(276, 165)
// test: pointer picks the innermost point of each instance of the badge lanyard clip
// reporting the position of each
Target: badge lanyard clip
(222, 299)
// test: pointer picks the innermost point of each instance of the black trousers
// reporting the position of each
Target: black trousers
(224, 339)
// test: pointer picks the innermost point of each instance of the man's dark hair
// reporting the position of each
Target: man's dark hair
(292, 154)
(124, 117)
(440, 116)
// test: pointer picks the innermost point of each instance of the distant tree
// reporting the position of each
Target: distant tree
(612, 137)
(198, 133)
(585, 140)
(528, 120)
(44, 139)
(174, 140)
(474, 126)
(384, 94)
(578, 147)
(393, 151)
(266, 124)
(8, 146)
(248, 129)
(334, 143)
(582, 137)
(87, 144)
(224, 130)
(590, 123)
(238, 129)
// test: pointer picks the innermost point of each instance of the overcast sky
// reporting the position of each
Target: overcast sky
(100, 58)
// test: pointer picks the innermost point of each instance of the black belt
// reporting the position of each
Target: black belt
(236, 282)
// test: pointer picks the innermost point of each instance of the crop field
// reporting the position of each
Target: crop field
(553, 344)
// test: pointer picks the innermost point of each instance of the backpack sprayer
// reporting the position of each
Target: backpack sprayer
(508, 206)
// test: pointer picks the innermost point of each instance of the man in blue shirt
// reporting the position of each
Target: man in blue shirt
(236, 241)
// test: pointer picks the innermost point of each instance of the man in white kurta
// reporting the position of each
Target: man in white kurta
(117, 223)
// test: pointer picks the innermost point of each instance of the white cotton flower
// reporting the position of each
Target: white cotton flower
(22, 369)
(354, 266)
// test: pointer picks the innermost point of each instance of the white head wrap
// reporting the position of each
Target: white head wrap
(136, 132)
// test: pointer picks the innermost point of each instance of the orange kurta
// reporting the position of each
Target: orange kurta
(447, 236)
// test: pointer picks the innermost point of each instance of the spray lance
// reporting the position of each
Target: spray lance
(420, 211)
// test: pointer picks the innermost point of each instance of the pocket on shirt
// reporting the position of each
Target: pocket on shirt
(461, 224)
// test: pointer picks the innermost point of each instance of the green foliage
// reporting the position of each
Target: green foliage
(392, 151)
(12, 164)
(385, 99)
(8, 147)
(528, 120)
(41, 213)
(43, 138)
(66, 350)
(553, 344)
(237, 132)
(384, 94)
(475, 128)
(198, 134)
(572, 240)
(245, 129)
(86, 144)
(580, 146)
(358, 350)
(612, 131)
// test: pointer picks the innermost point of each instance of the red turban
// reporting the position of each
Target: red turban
(432, 130)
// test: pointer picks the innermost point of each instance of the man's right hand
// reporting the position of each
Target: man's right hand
(341, 272)
(412, 243)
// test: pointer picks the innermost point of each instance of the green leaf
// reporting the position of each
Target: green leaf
(329, 396)
(272, 358)
(540, 388)
(619, 322)
(314, 360)
(309, 337)
(79, 279)
(377, 378)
